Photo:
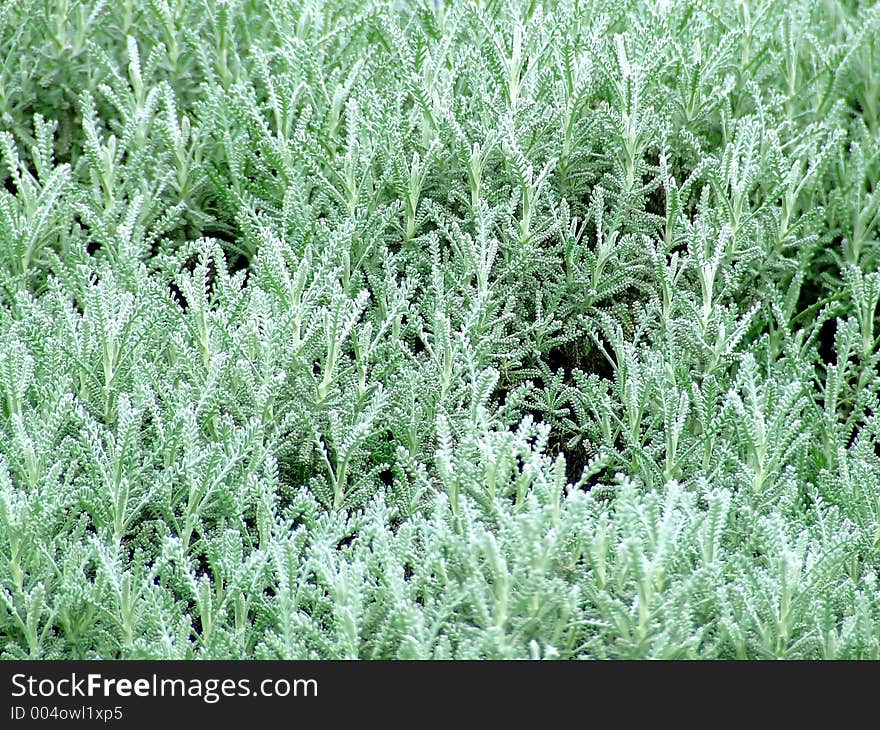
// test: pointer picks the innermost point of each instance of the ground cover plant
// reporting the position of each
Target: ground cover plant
(439, 329)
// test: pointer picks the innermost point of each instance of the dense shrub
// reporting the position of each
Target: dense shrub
(428, 329)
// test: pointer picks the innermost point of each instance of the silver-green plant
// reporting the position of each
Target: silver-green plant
(439, 329)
